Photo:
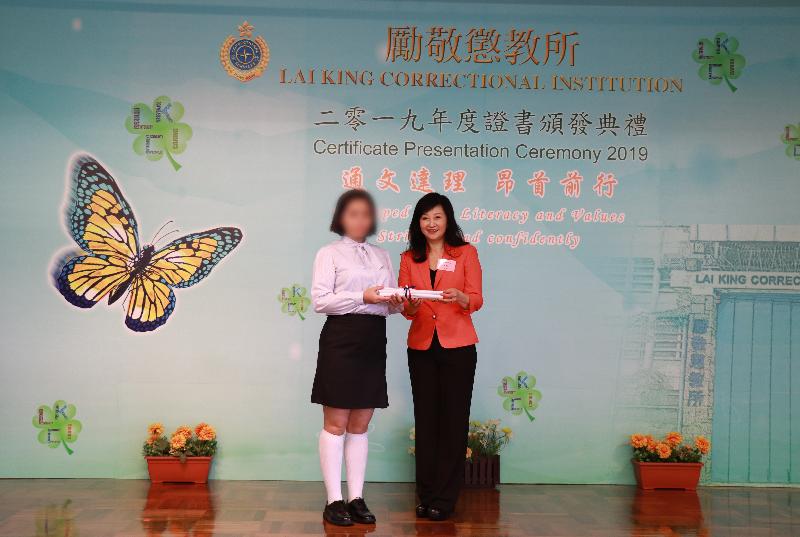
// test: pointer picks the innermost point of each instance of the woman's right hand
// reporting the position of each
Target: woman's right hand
(412, 305)
(371, 295)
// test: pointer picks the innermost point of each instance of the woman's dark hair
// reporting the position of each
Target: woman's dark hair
(346, 199)
(453, 236)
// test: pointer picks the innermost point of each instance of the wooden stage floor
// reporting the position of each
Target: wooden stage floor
(122, 508)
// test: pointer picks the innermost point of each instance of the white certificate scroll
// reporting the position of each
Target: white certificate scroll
(410, 292)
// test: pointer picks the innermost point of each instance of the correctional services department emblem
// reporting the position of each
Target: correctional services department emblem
(244, 58)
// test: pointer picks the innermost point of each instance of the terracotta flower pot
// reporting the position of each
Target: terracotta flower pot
(482, 472)
(667, 475)
(172, 470)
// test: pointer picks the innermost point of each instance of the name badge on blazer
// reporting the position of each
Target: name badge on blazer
(448, 265)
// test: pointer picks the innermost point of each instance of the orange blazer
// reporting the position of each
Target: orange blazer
(452, 323)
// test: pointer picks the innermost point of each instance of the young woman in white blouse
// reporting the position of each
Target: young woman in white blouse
(350, 381)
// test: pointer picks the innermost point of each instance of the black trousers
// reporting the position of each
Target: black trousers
(441, 384)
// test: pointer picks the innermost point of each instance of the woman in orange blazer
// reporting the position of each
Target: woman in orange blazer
(441, 349)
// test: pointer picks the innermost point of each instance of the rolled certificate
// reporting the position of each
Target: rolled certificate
(410, 292)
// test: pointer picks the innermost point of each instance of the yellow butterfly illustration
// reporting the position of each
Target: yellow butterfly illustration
(111, 262)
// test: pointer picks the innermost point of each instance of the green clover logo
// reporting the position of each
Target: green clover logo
(791, 137)
(294, 300)
(58, 425)
(519, 395)
(159, 129)
(718, 59)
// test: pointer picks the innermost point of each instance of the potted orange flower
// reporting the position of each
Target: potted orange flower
(183, 458)
(668, 463)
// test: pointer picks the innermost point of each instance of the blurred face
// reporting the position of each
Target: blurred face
(433, 224)
(357, 220)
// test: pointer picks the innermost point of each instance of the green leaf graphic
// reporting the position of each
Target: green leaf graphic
(719, 60)
(294, 300)
(57, 425)
(159, 129)
(519, 395)
(791, 137)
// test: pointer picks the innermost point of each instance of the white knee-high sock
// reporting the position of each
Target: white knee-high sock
(331, 447)
(356, 447)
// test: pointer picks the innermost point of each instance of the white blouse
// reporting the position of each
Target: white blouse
(343, 270)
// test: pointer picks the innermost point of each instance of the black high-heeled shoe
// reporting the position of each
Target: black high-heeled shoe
(437, 515)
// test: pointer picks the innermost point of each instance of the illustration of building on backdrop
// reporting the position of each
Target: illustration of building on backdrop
(712, 344)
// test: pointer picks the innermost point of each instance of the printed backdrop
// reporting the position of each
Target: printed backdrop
(628, 175)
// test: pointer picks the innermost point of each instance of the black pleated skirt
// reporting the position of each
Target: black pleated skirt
(351, 363)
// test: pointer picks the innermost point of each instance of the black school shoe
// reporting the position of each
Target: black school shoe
(359, 512)
(422, 511)
(336, 513)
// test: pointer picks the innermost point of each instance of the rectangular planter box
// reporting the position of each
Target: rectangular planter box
(172, 470)
(667, 475)
(482, 472)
